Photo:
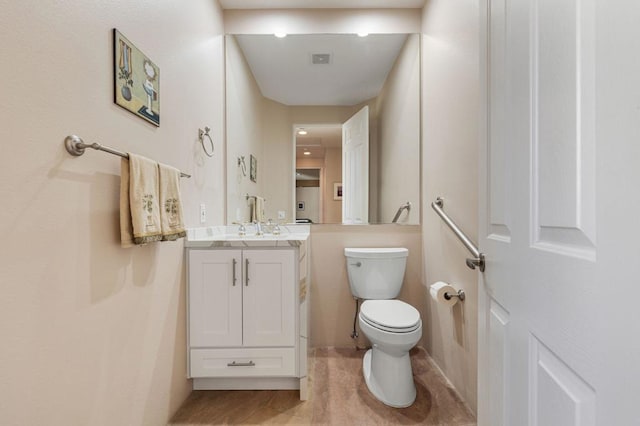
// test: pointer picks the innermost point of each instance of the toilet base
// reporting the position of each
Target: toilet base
(389, 378)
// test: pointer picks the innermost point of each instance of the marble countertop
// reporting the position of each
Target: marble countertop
(227, 236)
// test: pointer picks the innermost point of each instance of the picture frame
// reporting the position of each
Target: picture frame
(136, 80)
(337, 191)
(300, 206)
(253, 169)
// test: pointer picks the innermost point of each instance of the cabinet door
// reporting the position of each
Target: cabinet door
(269, 297)
(215, 299)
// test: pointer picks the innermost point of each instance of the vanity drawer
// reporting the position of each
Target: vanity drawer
(274, 362)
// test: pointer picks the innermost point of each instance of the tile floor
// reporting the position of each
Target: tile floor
(338, 396)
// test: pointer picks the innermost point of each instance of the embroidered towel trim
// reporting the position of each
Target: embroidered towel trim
(126, 228)
(144, 199)
(171, 217)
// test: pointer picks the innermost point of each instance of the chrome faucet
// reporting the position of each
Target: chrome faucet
(259, 231)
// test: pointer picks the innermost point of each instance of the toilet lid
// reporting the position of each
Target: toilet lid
(390, 315)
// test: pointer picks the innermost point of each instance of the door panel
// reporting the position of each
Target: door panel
(498, 360)
(215, 317)
(559, 397)
(355, 168)
(498, 149)
(538, 235)
(568, 277)
(269, 298)
(563, 136)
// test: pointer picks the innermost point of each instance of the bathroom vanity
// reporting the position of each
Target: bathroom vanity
(248, 308)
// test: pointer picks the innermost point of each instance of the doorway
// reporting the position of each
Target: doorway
(318, 165)
(308, 195)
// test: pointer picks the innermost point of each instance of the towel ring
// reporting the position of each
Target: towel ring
(201, 135)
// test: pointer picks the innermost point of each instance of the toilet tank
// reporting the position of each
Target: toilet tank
(376, 273)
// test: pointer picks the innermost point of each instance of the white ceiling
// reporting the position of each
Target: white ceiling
(317, 139)
(321, 4)
(357, 70)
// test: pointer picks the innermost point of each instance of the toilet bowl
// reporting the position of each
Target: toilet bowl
(393, 327)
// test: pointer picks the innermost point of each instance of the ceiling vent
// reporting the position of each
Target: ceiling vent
(320, 58)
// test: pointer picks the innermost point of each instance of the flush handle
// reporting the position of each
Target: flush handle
(358, 264)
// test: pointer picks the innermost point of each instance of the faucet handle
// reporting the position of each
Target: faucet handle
(242, 230)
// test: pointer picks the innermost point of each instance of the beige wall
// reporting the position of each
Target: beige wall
(332, 305)
(92, 333)
(332, 174)
(244, 133)
(398, 122)
(277, 168)
(450, 163)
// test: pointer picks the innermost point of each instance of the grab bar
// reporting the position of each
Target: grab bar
(406, 206)
(478, 257)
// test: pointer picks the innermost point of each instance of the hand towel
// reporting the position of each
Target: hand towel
(171, 218)
(253, 218)
(259, 209)
(144, 199)
(126, 228)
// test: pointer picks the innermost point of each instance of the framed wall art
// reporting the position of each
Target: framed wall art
(337, 191)
(253, 169)
(136, 83)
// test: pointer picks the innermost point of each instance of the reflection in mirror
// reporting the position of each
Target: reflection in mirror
(292, 114)
(308, 199)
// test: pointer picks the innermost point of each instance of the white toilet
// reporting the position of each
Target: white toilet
(392, 326)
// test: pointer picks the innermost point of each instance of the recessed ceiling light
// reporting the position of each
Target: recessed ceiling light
(307, 153)
(363, 34)
(302, 132)
(280, 34)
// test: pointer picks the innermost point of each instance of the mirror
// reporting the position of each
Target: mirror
(292, 106)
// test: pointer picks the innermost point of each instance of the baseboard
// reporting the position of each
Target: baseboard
(246, 383)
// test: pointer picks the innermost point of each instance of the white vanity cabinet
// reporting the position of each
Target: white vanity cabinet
(243, 313)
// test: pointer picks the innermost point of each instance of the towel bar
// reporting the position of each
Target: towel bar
(76, 146)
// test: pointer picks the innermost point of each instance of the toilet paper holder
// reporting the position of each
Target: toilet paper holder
(460, 295)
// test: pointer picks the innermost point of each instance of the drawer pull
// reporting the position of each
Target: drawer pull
(246, 272)
(234, 271)
(241, 364)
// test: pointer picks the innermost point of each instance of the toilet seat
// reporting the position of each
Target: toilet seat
(393, 316)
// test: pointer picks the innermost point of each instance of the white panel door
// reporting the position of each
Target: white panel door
(355, 168)
(269, 300)
(557, 329)
(215, 298)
